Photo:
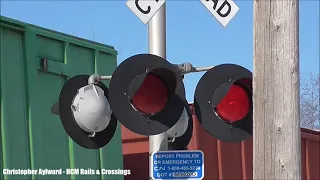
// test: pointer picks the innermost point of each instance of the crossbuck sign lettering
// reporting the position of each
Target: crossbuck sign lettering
(222, 10)
(145, 9)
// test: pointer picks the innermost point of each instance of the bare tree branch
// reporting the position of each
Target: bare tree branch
(309, 102)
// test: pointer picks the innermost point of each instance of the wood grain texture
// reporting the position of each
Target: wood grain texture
(277, 137)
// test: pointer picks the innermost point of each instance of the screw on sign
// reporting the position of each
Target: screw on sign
(222, 10)
(145, 9)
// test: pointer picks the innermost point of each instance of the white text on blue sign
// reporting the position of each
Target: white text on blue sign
(177, 165)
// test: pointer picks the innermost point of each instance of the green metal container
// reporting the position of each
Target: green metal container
(32, 137)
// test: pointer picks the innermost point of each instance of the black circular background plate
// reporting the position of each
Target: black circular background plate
(67, 94)
(121, 106)
(182, 142)
(213, 79)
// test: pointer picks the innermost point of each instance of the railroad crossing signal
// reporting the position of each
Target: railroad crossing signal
(85, 112)
(147, 95)
(223, 102)
(148, 99)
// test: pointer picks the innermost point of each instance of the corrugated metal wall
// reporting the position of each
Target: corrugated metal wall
(31, 137)
(223, 161)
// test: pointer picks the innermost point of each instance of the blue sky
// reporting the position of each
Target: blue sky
(193, 34)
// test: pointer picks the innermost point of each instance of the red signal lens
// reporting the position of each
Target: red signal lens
(235, 105)
(152, 95)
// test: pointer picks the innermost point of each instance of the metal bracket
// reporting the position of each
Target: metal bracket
(184, 68)
(95, 78)
(187, 67)
(92, 135)
(171, 139)
(44, 64)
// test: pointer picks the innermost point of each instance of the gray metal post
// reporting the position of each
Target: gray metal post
(157, 46)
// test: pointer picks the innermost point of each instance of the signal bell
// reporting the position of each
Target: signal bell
(146, 94)
(85, 112)
(223, 102)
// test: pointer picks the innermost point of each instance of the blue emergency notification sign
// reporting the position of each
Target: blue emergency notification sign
(171, 165)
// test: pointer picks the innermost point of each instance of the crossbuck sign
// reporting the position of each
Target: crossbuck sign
(222, 10)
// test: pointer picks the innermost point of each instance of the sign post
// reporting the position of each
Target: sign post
(153, 13)
(157, 46)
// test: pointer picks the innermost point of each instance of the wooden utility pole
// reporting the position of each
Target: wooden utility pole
(276, 133)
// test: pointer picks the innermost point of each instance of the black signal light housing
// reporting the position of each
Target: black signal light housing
(223, 102)
(147, 94)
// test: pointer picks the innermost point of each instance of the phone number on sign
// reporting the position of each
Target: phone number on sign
(184, 174)
(184, 168)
